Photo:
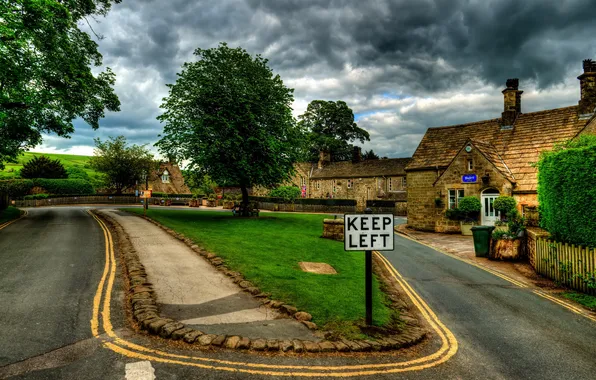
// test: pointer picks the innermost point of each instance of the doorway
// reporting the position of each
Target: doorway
(488, 214)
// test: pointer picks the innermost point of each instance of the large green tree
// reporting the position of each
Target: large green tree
(123, 166)
(230, 117)
(45, 71)
(331, 128)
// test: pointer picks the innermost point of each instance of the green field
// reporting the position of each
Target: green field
(68, 160)
(267, 250)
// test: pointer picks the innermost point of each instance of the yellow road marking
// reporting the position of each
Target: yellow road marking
(449, 341)
(567, 305)
(6, 224)
(97, 298)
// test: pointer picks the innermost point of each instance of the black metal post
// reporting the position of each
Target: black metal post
(368, 281)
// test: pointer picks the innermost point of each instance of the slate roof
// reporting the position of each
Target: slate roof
(516, 148)
(368, 168)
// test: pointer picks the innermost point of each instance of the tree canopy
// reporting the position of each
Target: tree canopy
(370, 155)
(230, 117)
(43, 167)
(45, 76)
(331, 128)
(123, 166)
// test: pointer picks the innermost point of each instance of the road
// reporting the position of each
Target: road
(52, 261)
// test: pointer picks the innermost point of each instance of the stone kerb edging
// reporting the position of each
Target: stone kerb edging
(142, 300)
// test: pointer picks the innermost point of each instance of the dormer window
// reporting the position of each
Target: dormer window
(165, 176)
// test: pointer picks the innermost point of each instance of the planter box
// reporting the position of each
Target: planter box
(211, 203)
(193, 203)
(228, 205)
(466, 229)
(504, 249)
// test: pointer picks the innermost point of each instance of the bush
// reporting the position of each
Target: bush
(504, 204)
(309, 201)
(43, 167)
(453, 214)
(65, 186)
(566, 191)
(75, 172)
(287, 193)
(469, 207)
(16, 187)
(36, 196)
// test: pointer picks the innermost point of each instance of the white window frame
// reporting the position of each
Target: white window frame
(454, 195)
(470, 164)
(318, 185)
(302, 181)
(349, 183)
(334, 186)
(165, 177)
(390, 184)
(404, 182)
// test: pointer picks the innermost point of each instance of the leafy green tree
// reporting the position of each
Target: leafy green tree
(123, 166)
(43, 167)
(370, 155)
(230, 117)
(287, 193)
(45, 76)
(331, 128)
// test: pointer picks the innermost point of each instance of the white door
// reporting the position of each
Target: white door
(489, 214)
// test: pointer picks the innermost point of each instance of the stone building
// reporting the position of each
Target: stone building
(492, 157)
(167, 179)
(361, 180)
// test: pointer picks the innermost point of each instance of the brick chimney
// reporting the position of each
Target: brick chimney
(512, 97)
(357, 155)
(324, 158)
(587, 84)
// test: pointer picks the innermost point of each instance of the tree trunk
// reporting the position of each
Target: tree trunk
(244, 200)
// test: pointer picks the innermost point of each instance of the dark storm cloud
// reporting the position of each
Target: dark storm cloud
(441, 62)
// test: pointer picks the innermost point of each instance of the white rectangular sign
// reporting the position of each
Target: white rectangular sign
(368, 232)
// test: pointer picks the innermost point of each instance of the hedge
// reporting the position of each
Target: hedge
(308, 201)
(21, 187)
(380, 203)
(567, 192)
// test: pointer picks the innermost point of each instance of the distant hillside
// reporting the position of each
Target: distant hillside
(11, 170)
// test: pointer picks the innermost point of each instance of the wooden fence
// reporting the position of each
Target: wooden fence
(574, 267)
(87, 199)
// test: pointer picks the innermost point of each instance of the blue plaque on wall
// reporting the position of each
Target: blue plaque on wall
(469, 178)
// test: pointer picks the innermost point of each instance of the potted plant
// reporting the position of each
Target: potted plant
(504, 205)
(228, 202)
(508, 245)
(469, 207)
(194, 201)
(211, 200)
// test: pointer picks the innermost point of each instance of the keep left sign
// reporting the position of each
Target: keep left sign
(368, 232)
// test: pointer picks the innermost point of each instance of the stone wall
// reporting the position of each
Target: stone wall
(333, 229)
(361, 189)
(422, 211)
(533, 234)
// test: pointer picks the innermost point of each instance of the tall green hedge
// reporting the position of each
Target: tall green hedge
(567, 191)
(21, 187)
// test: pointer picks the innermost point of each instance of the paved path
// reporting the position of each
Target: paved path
(191, 291)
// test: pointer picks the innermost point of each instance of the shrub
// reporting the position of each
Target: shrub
(43, 167)
(453, 214)
(65, 186)
(16, 187)
(504, 204)
(470, 207)
(501, 235)
(36, 196)
(287, 193)
(566, 191)
(75, 172)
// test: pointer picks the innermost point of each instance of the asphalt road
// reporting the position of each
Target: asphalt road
(52, 260)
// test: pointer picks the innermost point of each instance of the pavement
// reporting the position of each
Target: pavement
(52, 261)
(190, 290)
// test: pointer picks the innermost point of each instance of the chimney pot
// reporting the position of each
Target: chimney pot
(512, 102)
(587, 84)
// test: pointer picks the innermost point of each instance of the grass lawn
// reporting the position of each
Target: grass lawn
(9, 214)
(584, 299)
(267, 250)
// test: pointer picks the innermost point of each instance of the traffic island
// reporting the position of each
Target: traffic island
(145, 311)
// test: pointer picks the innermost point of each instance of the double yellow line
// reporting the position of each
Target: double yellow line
(6, 224)
(448, 347)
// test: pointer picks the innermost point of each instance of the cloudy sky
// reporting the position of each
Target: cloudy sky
(402, 66)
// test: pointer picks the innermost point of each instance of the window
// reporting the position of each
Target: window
(403, 182)
(334, 185)
(318, 184)
(454, 196)
(302, 181)
(390, 183)
(349, 183)
(165, 176)
(470, 165)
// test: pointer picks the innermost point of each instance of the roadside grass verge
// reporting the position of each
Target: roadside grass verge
(586, 300)
(267, 250)
(9, 214)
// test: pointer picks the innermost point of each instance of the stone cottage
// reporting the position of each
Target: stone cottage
(361, 180)
(492, 157)
(167, 179)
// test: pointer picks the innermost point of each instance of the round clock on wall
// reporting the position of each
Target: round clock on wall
(468, 148)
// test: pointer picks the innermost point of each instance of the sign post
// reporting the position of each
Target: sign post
(368, 232)
(146, 194)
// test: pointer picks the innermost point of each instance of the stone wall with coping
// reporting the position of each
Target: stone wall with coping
(534, 233)
(333, 229)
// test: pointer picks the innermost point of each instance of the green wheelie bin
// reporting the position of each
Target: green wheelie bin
(482, 235)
